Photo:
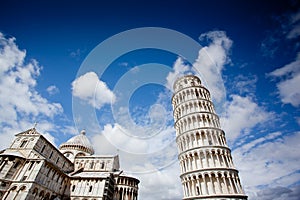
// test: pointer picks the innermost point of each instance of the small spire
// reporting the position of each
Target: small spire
(82, 132)
(35, 124)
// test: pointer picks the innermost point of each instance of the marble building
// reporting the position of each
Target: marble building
(33, 168)
(207, 169)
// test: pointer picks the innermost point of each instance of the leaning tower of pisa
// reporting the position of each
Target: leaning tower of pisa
(207, 170)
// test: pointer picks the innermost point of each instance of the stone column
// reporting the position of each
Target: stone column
(231, 185)
(219, 184)
(199, 184)
(225, 184)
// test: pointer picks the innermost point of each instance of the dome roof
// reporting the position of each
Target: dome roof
(79, 142)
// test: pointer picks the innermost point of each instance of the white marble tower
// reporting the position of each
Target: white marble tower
(207, 170)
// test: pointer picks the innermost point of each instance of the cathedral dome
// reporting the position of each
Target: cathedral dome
(79, 142)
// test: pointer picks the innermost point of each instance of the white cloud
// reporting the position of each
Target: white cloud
(244, 85)
(288, 86)
(119, 137)
(125, 140)
(298, 120)
(209, 64)
(211, 61)
(10, 54)
(179, 70)
(89, 88)
(278, 193)
(240, 115)
(76, 53)
(153, 160)
(20, 101)
(294, 31)
(218, 48)
(161, 184)
(52, 89)
(274, 160)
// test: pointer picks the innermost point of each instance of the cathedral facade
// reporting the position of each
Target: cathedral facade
(33, 168)
(207, 169)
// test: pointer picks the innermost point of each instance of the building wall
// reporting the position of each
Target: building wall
(126, 188)
(87, 188)
(97, 163)
(39, 174)
(9, 168)
(33, 168)
(33, 145)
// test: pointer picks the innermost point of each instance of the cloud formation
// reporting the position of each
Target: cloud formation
(288, 86)
(294, 25)
(52, 89)
(211, 61)
(209, 64)
(278, 193)
(241, 115)
(287, 31)
(179, 69)
(154, 163)
(20, 101)
(242, 119)
(89, 88)
(274, 158)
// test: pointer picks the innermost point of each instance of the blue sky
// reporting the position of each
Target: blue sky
(99, 66)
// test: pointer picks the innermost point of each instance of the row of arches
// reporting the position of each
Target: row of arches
(190, 93)
(20, 192)
(15, 192)
(76, 147)
(197, 120)
(42, 194)
(52, 178)
(10, 166)
(187, 81)
(90, 164)
(193, 106)
(125, 193)
(205, 159)
(127, 181)
(212, 183)
(196, 138)
(87, 187)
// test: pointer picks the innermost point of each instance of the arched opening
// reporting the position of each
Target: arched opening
(23, 143)
(41, 194)
(121, 194)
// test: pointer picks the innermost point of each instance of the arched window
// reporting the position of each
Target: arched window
(198, 190)
(42, 194)
(23, 187)
(121, 194)
(80, 154)
(47, 196)
(16, 164)
(30, 165)
(14, 188)
(35, 191)
(92, 165)
(73, 188)
(91, 187)
(43, 148)
(23, 143)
